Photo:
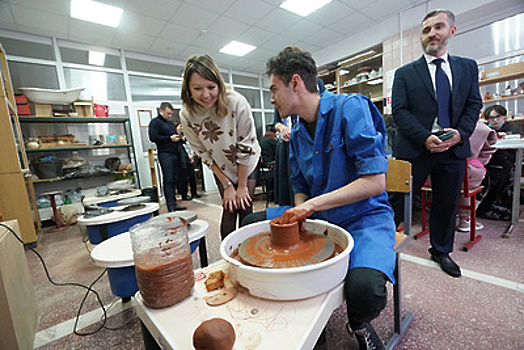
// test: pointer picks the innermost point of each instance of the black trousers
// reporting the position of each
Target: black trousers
(187, 174)
(447, 175)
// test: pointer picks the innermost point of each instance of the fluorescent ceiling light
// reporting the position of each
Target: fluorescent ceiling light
(303, 7)
(93, 11)
(238, 49)
(97, 58)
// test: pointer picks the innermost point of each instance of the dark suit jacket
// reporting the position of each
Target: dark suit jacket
(414, 105)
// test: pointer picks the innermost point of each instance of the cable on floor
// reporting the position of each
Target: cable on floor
(69, 284)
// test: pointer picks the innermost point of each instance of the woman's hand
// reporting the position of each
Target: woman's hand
(230, 198)
(243, 198)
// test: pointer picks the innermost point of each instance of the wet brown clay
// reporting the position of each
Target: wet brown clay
(284, 235)
(214, 334)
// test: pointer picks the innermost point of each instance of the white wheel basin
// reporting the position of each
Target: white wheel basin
(289, 283)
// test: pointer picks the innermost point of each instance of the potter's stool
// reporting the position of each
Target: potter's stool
(120, 220)
(52, 197)
(116, 254)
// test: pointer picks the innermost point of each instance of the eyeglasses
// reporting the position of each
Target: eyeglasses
(495, 117)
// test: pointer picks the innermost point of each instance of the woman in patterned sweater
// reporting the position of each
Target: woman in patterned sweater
(220, 128)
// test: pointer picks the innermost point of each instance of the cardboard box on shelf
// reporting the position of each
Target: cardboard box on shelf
(84, 108)
(43, 110)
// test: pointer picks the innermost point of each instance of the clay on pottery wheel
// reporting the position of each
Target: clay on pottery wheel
(285, 246)
(214, 334)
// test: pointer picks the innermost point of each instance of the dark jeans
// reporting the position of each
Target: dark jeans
(169, 163)
(228, 222)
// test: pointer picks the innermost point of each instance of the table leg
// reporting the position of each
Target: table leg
(149, 341)
(515, 205)
(55, 210)
(202, 251)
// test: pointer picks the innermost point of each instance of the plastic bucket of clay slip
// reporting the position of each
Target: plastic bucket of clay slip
(163, 263)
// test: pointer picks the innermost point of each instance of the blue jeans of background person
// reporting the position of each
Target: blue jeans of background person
(169, 163)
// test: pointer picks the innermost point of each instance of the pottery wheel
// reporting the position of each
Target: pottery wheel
(312, 249)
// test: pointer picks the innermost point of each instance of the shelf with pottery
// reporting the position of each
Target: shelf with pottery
(504, 98)
(67, 147)
(37, 119)
(501, 74)
(359, 73)
(329, 77)
(91, 139)
(57, 179)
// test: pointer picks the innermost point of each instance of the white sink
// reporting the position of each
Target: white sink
(48, 96)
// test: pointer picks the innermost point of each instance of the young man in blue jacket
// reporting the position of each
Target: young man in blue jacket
(338, 166)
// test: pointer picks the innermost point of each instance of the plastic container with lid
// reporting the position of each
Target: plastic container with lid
(163, 265)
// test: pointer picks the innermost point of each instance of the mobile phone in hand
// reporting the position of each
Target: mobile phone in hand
(446, 135)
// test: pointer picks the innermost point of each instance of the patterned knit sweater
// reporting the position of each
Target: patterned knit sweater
(225, 141)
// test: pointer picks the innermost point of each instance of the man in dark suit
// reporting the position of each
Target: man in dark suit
(162, 131)
(435, 94)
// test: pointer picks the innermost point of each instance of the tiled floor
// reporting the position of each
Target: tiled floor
(484, 309)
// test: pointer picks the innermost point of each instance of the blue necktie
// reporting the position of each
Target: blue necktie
(443, 94)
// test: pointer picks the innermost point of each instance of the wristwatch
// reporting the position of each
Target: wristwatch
(229, 183)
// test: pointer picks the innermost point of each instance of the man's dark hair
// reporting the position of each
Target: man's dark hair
(165, 105)
(451, 16)
(291, 61)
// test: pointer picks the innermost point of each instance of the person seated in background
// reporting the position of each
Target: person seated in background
(482, 143)
(268, 146)
(271, 133)
(338, 167)
(499, 168)
(268, 151)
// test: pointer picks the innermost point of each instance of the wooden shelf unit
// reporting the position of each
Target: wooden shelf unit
(17, 196)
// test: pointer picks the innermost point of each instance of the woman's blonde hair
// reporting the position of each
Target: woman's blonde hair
(207, 68)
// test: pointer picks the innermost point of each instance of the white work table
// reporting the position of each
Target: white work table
(259, 323)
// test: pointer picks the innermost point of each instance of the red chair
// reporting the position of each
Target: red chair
(467, 192)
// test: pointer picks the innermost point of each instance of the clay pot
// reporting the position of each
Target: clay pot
(284, 235)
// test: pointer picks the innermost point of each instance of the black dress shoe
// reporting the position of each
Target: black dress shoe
(179, 207)
(196, 195)
(446, 264)
(187, 198)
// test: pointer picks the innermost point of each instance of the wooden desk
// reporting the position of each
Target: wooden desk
(518, 145)
(259, 323)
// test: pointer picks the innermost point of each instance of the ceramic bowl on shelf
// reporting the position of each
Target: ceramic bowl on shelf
(48, 96)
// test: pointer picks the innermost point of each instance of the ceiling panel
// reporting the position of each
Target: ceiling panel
(6, 17)
(37, 20)
(278, 20)
(330, 13)
(228, 27)
(134, 22)
(178, 33)
(161, 9)
(199, 22)
(166, 48)
(249, 11)
(133, 41)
